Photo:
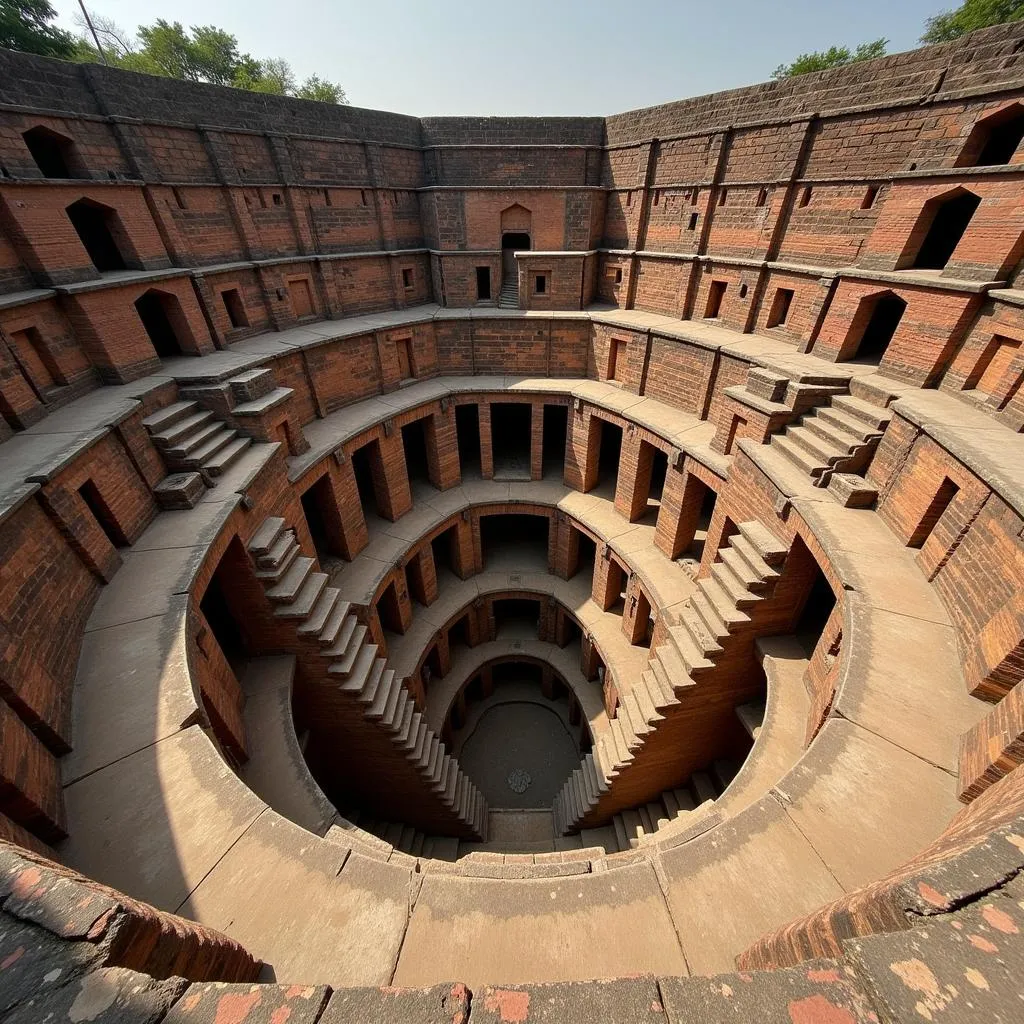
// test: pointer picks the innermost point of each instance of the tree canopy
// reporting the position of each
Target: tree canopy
(833, 57)
(25, 25)
(201, 53)
(971, 14)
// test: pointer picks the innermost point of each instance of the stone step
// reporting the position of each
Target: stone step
(349, 633)
(404, 725)
(173, 436)
(624, 741)
(852, 491)
(733, 586)
(712, 622)
(394, 709)
(372, 683)
(251, 384)
(388, 690)
(767, 545)
(634, 827)
(690, 652)
(306, 599)
(684, 798)
(179, 491)
(647, 706)
(280, 548)
(629, 706)
(342, 664)
(621, 837)
(671, 662)
(408, 742)
(266, 536)
(166, 417)
(816, 447)
(227, 456)
(670, 804)
(355, 667)
(702, 786)
(839, 437)
(723, 771)
(262, 405)
(799, 456)
(756, 564)
(847, 423)
(741, 568)
(287, 560)
(725, 607)
(874, 416)
(287, 588)
(204, 455)
(646, 822)
(751, 717)
(322, 611)
(195, 441)
(332, 628)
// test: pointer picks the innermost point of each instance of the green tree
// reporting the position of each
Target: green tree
(317, 88)
(25, 25)
(833, 57)
(202, 53)
(971, 14)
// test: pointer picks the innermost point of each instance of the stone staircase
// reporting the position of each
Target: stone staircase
(508, 298)
(407, 839)
(837, 439)
(637, 826)
(714, 631)
(359, 680)
(192, 440)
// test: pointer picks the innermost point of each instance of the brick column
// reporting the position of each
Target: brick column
(486, 681)
(486, 448)
(589, 658)
(537, 441)
(634, 616)
(404, 604)
(443, 449)
(390, 476)
(353, 536)
(463, 557)
(681, 501)
(422, 575)
(994, 747)
(582, 449)
(547, 682)
(567, 547)
(633, 484)
(444, 652)
(607, 583)
(562, 621)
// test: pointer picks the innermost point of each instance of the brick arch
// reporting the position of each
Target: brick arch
(994, 139)
(516, 219)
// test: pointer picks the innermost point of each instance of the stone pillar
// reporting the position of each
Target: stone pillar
(582, 450)
(567, 547)
(444, 653)
(353, 537)
(607, 584)
(390, 476)
(547, 682)
(636, 613)
(537, 441)
(486, 447)
(464, 561)
(680, 512)
(422, 575)
(589, 658)
(443, 449)
(633, 485)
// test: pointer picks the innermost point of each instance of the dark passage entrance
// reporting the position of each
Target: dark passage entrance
(608, 459)
(414, 443)
(510, 440)
(520, 541)
(881, 317)
(323, 520)
(95, 225)
(162, 317)
(467, 430)
(939, 229)
(556, 429)
(362, 469)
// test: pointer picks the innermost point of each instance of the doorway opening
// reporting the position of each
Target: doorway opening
(518, 541)
(54, 154)
(98, 229)
(938, 231)
(467, 431)
(511, 431)
(874, 326)
(610, 451)
(324, 520)
(165, 322)
(556, 430)
(414, 444)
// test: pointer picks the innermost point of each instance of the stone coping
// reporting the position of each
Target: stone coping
(623, 660)
(666, 584)
(191, 837)
(466, 662)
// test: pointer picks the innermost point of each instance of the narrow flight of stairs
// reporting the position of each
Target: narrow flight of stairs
(407, 839)
(715, 627)
(192, 440)
(327, 626)
(508, 298)
(835, 439)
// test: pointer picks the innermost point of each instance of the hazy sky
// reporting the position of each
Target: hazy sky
(533, 56)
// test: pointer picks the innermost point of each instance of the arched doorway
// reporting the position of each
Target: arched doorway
(99, 231)
(873, 327)
(165, 323)
(511, 243)
(938, 231)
